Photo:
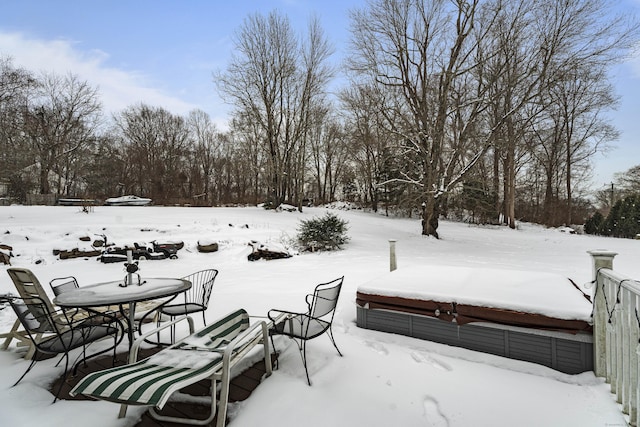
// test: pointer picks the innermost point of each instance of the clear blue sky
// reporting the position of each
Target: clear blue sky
(164, 52)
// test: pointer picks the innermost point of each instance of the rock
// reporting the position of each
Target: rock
(77, 253)
(5, 258)
(208, 247)
(261, 250)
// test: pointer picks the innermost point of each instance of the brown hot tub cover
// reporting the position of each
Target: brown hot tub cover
(509, 297)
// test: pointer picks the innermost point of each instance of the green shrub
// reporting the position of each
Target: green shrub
(623, 219)
(594, 224)
(327, 233)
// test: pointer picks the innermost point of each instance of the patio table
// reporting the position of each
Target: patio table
(115, 293)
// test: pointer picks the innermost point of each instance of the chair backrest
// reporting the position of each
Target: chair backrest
(201, 285)
(28, 286)
(63, 284)
(34, 315)
(325, 298)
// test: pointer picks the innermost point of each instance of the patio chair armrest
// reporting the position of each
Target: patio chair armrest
(64, 319)
(274, 319)
(281, 314)
(309, 300)
(133, 353)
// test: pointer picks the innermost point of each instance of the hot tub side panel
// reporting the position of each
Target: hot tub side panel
(559, 351)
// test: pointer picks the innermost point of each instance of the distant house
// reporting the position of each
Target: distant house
(4, 192)
(4, 187)
(31, 174)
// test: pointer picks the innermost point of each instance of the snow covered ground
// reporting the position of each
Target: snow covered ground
(383, 379)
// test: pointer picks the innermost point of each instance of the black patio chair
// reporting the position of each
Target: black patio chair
(54, 333)
(60, 285)
(63, 284)
(302, 327)
(196, 299)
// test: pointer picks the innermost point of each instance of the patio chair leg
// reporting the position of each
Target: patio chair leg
(58, 362)
(64, 378)
(275, 351)
(115, 345)
(33, 362)
(303, 353)
(334, 341)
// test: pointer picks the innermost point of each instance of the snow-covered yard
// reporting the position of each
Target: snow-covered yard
(383, 379)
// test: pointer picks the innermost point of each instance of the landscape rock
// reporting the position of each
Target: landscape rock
(268, 252)
(205, 246)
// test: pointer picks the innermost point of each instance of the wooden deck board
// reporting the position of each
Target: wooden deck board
(240, 389)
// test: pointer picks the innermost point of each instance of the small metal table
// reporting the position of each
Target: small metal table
(115, 293)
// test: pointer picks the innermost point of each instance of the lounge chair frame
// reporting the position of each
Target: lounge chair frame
(27, 285)
(149, 384)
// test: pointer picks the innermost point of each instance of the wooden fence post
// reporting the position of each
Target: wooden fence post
(600, 259)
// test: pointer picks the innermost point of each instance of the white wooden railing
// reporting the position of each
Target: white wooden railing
(616, 335)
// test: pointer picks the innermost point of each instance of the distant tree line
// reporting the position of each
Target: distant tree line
(486, 111)
(620, 212)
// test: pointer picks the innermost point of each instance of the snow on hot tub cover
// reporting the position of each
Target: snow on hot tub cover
(512, 297)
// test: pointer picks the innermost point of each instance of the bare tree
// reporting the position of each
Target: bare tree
(275, 81)
(420, 54)
(570, 130)
(329, 156)
(60, 121)
(16, 86)
(156, 142)
(462, 77)
(626, 183)
(206, 155)
(367, 138)
(245, 148)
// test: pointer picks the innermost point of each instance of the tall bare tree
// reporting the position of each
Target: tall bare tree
(367, 138)
(245, 147)
(462, 77)
(16, 87)
(275, 80)
(206, 154)
(60, 121)
(156, 142)
(419, 54)
(571, 129)
(329, 156)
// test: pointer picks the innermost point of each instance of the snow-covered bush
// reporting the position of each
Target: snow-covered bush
(327, 233)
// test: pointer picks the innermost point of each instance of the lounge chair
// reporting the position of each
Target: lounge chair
(209, 353)
(28, 286)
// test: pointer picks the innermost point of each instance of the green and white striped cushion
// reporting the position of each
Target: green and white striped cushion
(152, 381)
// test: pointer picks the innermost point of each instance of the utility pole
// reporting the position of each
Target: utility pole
(612, 194)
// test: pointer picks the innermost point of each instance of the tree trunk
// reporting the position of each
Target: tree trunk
(569, 218)
(430, 215)
(509, 188)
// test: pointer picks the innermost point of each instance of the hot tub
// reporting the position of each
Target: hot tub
(533, 316)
